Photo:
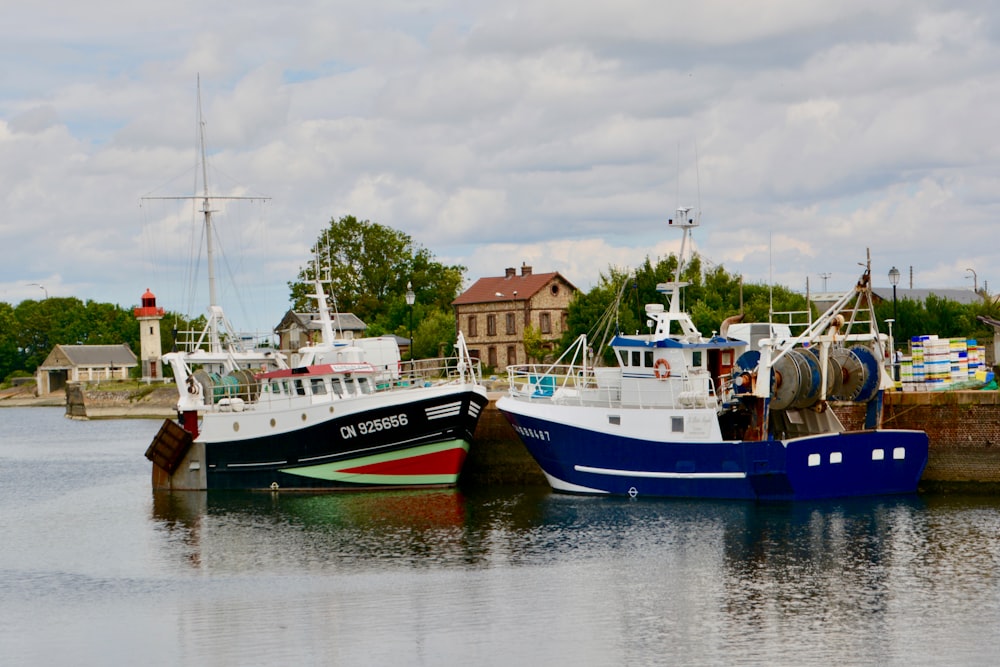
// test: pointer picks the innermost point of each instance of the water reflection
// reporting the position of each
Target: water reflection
(851, 542)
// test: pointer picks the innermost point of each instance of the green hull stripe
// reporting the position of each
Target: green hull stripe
(334, 472)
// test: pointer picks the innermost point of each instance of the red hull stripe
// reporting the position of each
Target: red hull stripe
(448, 461)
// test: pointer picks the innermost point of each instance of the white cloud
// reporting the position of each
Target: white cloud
(555, 133)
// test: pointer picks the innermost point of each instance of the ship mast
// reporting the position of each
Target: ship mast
(217, 324)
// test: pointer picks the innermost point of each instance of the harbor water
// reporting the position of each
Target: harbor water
(96, 569)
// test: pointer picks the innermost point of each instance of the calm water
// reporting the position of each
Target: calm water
(95, 569)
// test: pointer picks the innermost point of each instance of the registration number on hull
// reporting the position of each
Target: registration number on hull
(373, 426)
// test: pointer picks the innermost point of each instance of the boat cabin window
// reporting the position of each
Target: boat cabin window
(338, 388)
(365, 385)
(318, 387)
(349, 387)
(648, 361)
(300, 388)
(636, 358)
(696, 359)
(677, 424)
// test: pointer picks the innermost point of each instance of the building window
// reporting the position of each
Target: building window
(491, 353)
(511, 326)
(472, 327)
(491, 325)
(511, 355)
(545, 323)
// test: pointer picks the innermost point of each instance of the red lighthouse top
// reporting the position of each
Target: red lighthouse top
(148, 308)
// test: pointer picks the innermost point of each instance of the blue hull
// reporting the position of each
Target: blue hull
(857, 463)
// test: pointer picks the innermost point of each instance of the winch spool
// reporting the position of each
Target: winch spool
(796, 381)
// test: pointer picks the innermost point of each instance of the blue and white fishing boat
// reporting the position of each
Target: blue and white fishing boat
(687, 416)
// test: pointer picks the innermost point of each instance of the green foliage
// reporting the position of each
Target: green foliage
(370, 265)
(709, 298)
(942, 317)
(534, 349)
(434, 334)
(29, 331)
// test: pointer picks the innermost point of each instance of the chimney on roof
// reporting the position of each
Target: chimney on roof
(511, 272)
(525, 269)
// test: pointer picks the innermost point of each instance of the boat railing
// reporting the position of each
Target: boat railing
(189, 341)
(575, 385)
(428, 372)
(242, 390)
(544, 380)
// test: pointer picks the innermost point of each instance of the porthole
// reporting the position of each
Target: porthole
(331, 409)
(273, 423)
(236, 426)
(814, 460)
(303, 416)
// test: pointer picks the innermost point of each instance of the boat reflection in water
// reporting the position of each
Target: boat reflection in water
(231, 530)
(448, 527)
(832, 582)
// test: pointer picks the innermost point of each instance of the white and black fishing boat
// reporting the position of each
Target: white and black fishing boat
(349, 414)
(687, 416)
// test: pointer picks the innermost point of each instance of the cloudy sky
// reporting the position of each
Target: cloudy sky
(554, 133)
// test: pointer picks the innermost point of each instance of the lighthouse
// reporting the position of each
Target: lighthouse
(149, 317)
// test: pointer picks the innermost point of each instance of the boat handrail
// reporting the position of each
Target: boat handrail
(241, 391)
(568, 384)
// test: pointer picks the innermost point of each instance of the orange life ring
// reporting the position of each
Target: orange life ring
(662, 369)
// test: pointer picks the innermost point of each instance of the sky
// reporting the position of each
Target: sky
(805, 136)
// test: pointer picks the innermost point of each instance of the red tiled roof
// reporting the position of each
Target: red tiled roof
(502, 288)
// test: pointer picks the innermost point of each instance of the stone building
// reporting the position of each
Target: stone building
(494, 312)
(297, 330)
(84, 363)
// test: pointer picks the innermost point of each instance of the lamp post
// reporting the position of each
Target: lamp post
(410, 298)
(894, 279)
(975, 281)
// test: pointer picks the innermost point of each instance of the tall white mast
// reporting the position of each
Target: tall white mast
(217, 322)
(215, 315)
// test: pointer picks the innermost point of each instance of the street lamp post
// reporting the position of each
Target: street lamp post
(410, 298)
(975, 280)
(894, 279)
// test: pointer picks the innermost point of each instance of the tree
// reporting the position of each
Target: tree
(29, 331)
(434, 335)
(534, 345)
(620, 297)
(369, 267)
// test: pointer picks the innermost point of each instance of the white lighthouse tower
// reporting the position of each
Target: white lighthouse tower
(149, 317)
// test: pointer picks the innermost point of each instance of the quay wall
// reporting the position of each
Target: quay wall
(963, 428)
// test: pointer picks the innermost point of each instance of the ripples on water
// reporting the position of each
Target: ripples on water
(97, 569)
